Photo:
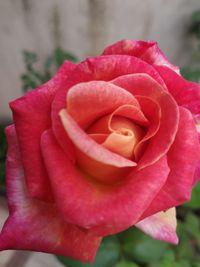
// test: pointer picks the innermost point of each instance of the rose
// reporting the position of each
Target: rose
(104, 145)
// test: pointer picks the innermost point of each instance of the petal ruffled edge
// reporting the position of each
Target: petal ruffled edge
(39, 223)
(161, 226)
(31, 114)
(146, 50)
(96, 206)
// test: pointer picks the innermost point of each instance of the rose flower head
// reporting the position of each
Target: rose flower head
(106, 144)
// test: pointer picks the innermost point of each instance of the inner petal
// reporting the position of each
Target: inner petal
(124, 136)
(118, 134)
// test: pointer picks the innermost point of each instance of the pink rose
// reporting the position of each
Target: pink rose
(104, 145)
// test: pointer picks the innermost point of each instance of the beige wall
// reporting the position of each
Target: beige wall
(84, 27)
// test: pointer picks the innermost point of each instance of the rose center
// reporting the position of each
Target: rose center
(118, 134)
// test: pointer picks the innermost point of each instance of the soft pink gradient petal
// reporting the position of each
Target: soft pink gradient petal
(161, 226)
(36, 225)
(144, 85)
(124, 136)
(182, 159)
(186, 93)
(103, 68)
(89, 204)
(152, 112)
(146, 50)
(88, 146)
(32, 115)
(86, 102)
(103, 125)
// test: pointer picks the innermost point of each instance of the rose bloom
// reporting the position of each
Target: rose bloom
(106, 144)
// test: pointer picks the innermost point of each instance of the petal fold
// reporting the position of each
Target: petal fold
(32, 116)
(144, 85)
(36, 225)
(103, 68)
(88, 146)
(183, 157)
(186, 93)
(86, 102)
(146, 50)
(96, 206)
(161, 226)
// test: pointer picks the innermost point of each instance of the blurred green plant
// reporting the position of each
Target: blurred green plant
(34, 76)
(132, 248)
(192, 72)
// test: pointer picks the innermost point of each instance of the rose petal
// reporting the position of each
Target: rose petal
(89, 101)
(186, 93)
(103, 125)
(102, 68)
(86, 203)
(182, 159)
(146, 50)
(124, 136)
(121, 144)
(131, 112)
(152, 111)
(32, 116)
(144, 85)
(36, 225)
(88, 146)
(161, 226)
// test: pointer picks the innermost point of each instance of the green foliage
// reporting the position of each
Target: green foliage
(195, 24)
(33, 76)
(194, 203)
(132, 248)
(126, 264)
(107, 255)
(192, 72)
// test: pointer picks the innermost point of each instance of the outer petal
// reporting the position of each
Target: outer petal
(186, 93)
(89, 101)
(148, 51)
(87, 203)
(35, 225)
(182, 159)
(102, 68)
(144, 85)
(32, 116)
(161, 226)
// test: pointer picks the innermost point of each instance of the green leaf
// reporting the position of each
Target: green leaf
(60, 56)
(184, 250)
(192, 224)
(182, 264)
(192, 74)
(126, 264)
(72, 263)
(107, 255)
(141, 248)
(194, 203)
(195, 25)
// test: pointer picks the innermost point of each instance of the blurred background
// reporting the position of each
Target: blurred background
(36, 36)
